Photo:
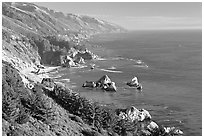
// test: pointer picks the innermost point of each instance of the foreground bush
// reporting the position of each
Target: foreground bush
(12, 92)
(96, 115)
(18, 103)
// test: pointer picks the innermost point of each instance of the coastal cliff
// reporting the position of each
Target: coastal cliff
(34, 38)
(34, 34)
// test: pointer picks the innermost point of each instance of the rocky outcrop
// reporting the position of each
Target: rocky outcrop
(67, 61)
(104, 83)
(142, 119)
(86, 54)
(133, 114)
(134, 83)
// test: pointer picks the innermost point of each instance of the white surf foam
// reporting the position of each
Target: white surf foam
(79, 67)
(101, 59)
(67, 80)
(113, 71)
(141, 66)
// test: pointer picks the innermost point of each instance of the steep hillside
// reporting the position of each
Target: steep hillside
(37, 33)
(32, 36)
(31, 112)
(32, 103)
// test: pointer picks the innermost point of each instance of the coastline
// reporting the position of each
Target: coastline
(52, 61)
(27, 74)
(34, 75)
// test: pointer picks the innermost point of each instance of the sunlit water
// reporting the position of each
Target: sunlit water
(171, 74)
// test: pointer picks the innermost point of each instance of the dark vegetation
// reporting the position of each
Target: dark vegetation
(18, 103)
(91, 113)
(32, 112)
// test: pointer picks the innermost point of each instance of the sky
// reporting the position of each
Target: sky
(137, 15)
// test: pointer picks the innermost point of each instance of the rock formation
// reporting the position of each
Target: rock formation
(104, 83)
(143, 119)
(134, 83)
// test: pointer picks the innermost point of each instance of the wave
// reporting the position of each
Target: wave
(141, 66)
(67, 80)
(114, 71)
(79, 67)
(101, 59)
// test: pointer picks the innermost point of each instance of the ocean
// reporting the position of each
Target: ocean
(168, 64)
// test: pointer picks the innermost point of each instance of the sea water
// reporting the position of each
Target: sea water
(168, 64)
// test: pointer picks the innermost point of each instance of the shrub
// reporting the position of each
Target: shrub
(12, 92)
(38, 105)
(92, 113)
(18, 103)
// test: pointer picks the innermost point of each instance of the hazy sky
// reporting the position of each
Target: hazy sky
(137, 15)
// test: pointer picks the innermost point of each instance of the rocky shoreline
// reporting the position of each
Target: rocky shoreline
(33, 104)
(97, 119)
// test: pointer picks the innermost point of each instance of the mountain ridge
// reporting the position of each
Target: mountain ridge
(37, 23)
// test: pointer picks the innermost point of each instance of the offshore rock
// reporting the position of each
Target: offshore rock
(90, 84)
(106, 84)
(103, 81)
(134, 83)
